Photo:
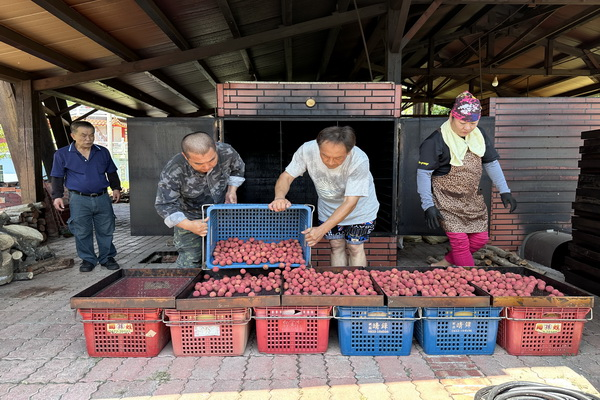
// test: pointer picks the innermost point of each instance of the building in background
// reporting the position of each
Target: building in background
(7, 168)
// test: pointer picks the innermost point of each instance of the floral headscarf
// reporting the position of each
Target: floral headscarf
(466, 107)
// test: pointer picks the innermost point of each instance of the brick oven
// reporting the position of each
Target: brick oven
(267, 121)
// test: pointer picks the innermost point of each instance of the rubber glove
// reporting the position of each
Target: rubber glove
(507, 200)
(432, 217)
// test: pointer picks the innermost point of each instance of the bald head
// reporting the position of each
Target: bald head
(197, 143)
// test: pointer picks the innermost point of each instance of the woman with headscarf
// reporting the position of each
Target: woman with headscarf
(450, 165)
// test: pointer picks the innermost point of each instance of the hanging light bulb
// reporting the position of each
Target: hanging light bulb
(495, 81)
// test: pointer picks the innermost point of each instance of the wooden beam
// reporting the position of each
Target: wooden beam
(38, 50)
(589, 90)
(87, 114)
(136, 94)
(476, 31)
(420, 22)
(518, 2)
(393, 71)
(396, 25)
(444, 29)
(65, 13)
(286, 16)
(557, 80)
(591, 59)
(548, 55)
(70, 64)
(168, 83)
(95, 101)
(163, 22)
(374, 38)
(60, 125)
(176, 58)
(46, 147)
(577, 20)
(14, 75)
(332, 38)
(72, 18)
(235, 32)
(461, 71)
(66, 109)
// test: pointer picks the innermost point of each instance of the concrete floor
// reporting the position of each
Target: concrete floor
(43, 352)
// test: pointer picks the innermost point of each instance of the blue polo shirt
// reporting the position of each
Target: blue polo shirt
(85, 176)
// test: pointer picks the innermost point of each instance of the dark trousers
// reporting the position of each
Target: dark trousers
(89, 215)
(189, 246)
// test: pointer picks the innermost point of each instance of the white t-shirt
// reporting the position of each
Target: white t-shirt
(352, 178)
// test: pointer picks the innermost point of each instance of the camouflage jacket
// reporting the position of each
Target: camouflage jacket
(182, 191)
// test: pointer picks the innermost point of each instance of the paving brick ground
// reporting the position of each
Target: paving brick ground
(43, 353)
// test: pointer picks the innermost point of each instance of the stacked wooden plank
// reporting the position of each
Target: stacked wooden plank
(583, 260)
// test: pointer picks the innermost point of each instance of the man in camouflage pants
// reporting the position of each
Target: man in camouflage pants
(205, 172)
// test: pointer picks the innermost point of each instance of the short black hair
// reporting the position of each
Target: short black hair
(338, 134)
(81, 124)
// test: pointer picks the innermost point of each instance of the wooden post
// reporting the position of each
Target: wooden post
(29, 160)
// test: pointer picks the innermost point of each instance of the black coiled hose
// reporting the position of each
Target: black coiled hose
(520, 390)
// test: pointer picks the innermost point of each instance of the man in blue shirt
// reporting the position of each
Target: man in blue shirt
(87, 170)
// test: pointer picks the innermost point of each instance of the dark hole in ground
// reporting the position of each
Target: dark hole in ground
(161, 257)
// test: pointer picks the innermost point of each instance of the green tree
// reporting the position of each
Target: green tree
(4, 153)
(439, 110)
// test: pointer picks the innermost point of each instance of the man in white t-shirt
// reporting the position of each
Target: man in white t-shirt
(347, 203)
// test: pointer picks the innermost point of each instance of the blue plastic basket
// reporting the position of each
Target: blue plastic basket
(458, 330)
(375, 330)
(256, 221)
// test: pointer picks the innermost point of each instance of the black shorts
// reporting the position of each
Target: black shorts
(354, 234)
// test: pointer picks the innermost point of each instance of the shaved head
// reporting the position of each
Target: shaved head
(197, 143)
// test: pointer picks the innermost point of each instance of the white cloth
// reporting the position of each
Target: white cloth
(352, 178)
(458, 145)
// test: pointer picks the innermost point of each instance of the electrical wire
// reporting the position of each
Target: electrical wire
(362, 34)
(522, 390)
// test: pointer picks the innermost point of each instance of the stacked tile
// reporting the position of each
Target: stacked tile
(583, 260)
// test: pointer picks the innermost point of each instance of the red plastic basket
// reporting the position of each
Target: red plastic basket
(210, 332)
(292, 330)
(124, 332)
(538, 331)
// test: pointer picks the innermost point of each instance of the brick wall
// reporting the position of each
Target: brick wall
(280, 99)
(381, 252)
(10, 196)
(538, 140)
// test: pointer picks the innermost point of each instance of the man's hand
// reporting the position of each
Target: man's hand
(280, 204)
(432, 217)
(313, 235)
(116, 196)
(231, 195)
(197, 226)
(59, 204)
(507, 200)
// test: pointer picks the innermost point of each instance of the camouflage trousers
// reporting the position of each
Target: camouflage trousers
(189, 246)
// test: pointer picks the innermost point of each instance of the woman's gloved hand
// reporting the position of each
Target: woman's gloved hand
(432, 217)
(507, 200)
